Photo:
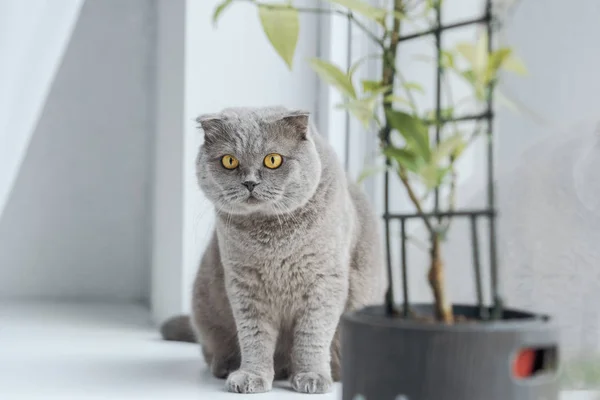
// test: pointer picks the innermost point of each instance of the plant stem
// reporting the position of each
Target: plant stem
(389, 75)
(413, 197)
(453, 174)
(389, 69)
(452, 195)
(443, 309)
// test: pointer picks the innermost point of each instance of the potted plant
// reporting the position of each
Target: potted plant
(428, 351)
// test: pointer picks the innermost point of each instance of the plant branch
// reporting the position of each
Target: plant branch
(452, 194)
(389, 74)
(411, 98)
(317, 10)
(413, 197)
(453, 174)
(362, 26)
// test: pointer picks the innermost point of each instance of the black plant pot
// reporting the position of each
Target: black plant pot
(385, 358)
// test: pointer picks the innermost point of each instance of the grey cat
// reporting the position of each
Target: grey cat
(294, 247)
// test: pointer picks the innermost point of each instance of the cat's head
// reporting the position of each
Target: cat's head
(257, 160)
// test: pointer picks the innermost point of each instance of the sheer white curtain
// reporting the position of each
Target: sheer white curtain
(33, 37)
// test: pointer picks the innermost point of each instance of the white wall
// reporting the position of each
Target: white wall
(33, 38)
(549, 187)
(232, 65)
(77, 223)
(167, 283)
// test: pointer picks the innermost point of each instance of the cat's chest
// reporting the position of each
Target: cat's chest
(276, 254)
(277, 238)
(274, 248)
(282, 277)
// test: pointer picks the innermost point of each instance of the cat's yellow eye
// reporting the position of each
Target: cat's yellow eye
(229, 161)
(273, 160)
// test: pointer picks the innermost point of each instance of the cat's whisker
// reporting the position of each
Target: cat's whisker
(287, 215)
(277, 212)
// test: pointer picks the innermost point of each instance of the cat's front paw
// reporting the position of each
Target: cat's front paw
(247, 382)
(311, 382)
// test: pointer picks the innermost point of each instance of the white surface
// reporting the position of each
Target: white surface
(76, 224)
(203, 69)
(95, 352)
(100, 351)
(33, 37)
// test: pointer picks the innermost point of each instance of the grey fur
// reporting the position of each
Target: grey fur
(178, 329)
(281, 268)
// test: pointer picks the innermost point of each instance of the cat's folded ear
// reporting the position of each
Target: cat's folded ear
(297, 123)
(212, 125)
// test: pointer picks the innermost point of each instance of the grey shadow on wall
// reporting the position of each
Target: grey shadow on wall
(77, 222)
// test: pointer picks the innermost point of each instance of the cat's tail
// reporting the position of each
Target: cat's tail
(178, 329)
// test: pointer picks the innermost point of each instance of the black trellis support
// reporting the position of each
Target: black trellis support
(474, 215)
(483, 314)
(438, 90)
(404, 269)
(475, 117)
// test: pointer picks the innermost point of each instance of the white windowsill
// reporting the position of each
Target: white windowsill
(101, 351)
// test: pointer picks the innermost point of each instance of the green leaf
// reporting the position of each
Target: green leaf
(497, 58)
(352, 70)
(399, 15)
(362, 109)
(363, 8)
(445, 114)
(478, 85)
(219, 10)
(334, 76)
(374, 88)
(412, 129)
(467, 50)
(370, 86)
(380, 90)
(481, 54)
(476, 55)
(469, 75)
(404, 157)
(447, 59)
(432, 175)
(513, 64)
(392, 98)
(370, 171)
(282, 26)
(414, 86)
(452, 146)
